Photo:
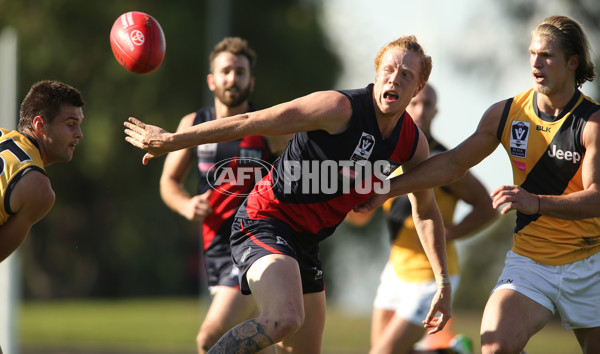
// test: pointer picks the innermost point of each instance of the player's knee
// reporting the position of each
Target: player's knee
(206, 338)
(499, 346)
(286, 324)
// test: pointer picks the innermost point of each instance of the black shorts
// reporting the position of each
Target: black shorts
(253, 239)
(221, 271)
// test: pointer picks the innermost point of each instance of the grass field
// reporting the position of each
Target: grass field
(161, 326)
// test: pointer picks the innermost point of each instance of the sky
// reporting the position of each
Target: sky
(480, 56)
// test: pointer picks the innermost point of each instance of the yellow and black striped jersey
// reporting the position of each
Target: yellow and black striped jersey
(407, 255)
(546, 154)
(18, 155)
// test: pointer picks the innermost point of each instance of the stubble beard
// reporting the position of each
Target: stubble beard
(233, 100)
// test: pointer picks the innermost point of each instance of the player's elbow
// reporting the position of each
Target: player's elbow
(167, 185)
(455, 172)
(489, 213)
(45, 202)
(426, 209)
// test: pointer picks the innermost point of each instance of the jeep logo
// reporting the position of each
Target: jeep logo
(564, 155)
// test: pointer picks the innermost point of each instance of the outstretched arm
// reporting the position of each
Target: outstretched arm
(445, 168)
(325, 110)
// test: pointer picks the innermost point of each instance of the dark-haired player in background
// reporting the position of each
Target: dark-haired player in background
(231, 81)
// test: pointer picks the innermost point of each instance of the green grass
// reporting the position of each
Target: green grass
(169, 326)
(157, 325)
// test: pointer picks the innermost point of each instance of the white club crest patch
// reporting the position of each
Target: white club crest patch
(519, 136)
(207, 151)
(364, 148)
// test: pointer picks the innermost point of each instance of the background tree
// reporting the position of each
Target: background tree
(109, 234)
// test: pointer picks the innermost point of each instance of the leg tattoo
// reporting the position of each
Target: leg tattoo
(245, 338)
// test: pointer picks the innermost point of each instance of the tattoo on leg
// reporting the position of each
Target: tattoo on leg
(247, 337)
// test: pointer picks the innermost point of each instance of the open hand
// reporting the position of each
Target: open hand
(146, 137)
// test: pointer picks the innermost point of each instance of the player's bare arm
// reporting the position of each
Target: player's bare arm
(447, 167)
(173, 176)
(31, 199)
(573, 206)
(430, 228)
(325, 110)
(470, 190)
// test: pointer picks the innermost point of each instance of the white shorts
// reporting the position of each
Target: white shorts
(572, 289)
(410, 301)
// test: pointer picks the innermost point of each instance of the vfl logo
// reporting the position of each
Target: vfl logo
(519, 136)
(364, 148)
(206, 150)
(206, 154)
(137, 37)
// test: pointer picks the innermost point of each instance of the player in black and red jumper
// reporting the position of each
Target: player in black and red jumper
(345, 145)
(219, 192)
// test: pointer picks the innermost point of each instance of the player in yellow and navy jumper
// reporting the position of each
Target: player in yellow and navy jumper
(48, 131)
(546, 153)
(552, 136)
(20, 154)
(407, 282)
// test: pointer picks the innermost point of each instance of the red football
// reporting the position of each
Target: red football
(138, 42)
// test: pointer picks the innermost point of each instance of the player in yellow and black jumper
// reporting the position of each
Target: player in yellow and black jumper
(552, 136)
(407, 282)
(48, 131)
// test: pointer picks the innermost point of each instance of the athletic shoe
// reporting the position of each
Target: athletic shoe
(461, 344)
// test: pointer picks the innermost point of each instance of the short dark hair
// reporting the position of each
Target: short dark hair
(236, 46)
(45, 99)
